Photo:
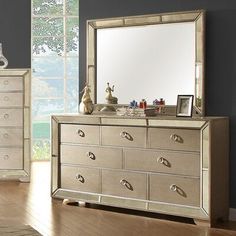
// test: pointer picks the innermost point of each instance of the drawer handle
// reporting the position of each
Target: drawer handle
(6, 98)
(6, 116)
(6, 135)
(91, 155)
(5, 157)
(176, 138)
(126, 135)
(163, 161)
(125, 183)
(175, 188)
(6, 82)
(81, 133)
(80, 178)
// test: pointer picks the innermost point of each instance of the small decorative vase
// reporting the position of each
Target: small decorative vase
(86, 107)
(3, 60)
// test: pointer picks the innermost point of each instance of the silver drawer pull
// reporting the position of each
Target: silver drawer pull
(81, 133)
(5, 82)
(6, 98)
(5, 157)
(80, 178)
(163, 161)
(126, 135)
(6, 135)
(173, 187)
(126, 184)
(174, 137)
(6, 116)
(91, 155)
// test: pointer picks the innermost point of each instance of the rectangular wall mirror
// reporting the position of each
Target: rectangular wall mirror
(149, 56)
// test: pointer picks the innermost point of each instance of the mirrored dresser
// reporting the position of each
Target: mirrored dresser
(170, 165)
(15, 124)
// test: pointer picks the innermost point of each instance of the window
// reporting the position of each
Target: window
(55, 55)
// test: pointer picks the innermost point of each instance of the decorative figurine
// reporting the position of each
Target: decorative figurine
(86, 105)
(160, 105)
(3, 60)
(110, 99)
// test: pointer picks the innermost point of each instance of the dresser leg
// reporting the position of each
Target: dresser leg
(206, 223)
(73, 203)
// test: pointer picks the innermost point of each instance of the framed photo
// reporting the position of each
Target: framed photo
(184, 105)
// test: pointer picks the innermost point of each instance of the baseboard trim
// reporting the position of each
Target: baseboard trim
(232, 214)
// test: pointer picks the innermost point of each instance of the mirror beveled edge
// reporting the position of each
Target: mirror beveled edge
(197, 16)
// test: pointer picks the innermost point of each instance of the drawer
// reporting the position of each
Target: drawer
(11, 137)
(174, 189)
(11, 99)
(92, 156)
(124, 184)
(124, 136)
(11, 158)
(83, 134)
(11, 117)
(11, 84)
(163, 161)
(174, 139)
(80, 179)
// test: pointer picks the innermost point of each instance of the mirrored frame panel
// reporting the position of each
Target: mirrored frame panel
(195, 18)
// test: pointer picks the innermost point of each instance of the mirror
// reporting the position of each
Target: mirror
(151, 57)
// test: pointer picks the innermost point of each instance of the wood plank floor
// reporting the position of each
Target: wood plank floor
(31, 204)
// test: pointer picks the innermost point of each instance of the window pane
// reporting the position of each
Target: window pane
(71, 105)
(72, 46)
(72, 26)
(45, 26)
(41, 149)
(72, 7)
(47, 88)
(48, 46)
(41, 130)
(46, 107)
(72, 89)
(48, 67)
(72, 67)
(47, 7)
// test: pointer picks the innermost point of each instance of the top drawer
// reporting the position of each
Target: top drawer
(124, 136)
(174, 139)
(83, 134)
(11, 84)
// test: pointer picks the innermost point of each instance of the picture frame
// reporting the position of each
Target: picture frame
(184, 106)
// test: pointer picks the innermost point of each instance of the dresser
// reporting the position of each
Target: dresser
(15, 124)
(175, 166)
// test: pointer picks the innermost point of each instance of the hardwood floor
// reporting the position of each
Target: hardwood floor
(24, 203)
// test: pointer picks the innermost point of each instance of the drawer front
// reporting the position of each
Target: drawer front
(124, 184)
(80, 179)
(174, 139)
(11, 99)
(11, 117)
(83, 134)
(11, 137)
(11, 84)
(124, 136)
(163, 161)
(92, 156)
(176, 190)
(11, 158)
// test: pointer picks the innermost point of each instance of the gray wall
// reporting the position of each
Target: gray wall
(220, 51)
(15, 32)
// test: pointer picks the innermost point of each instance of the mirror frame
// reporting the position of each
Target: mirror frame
(197, 16)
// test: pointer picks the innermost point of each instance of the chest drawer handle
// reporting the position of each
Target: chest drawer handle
(5, 82)
(175, 188)
(81, 133)
(80, 178)
(6, 116)
(6, 135)
(5, 157)
(163, 161)
(126, 135)
(176, 138)
(6, 98)
(125, 183)
(91, 155)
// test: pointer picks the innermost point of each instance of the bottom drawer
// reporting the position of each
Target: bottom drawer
(124, 184)
(80, 179)
(11, 158)
(176, 190)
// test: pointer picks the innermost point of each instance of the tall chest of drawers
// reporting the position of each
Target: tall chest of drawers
(166, 165)
(15, 124)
